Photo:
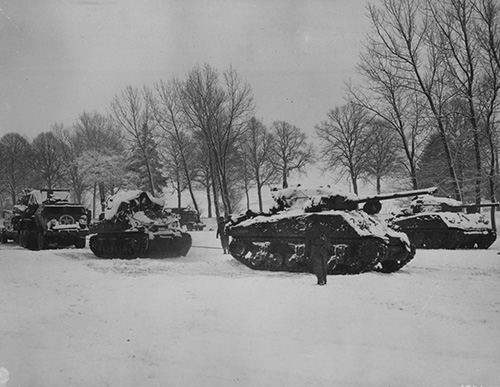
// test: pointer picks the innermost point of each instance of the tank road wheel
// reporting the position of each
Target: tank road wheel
(274, 261)
(369, 253)
(131, 248)
(80, 242)
(238, 249)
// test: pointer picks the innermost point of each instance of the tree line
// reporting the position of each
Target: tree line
(195, 134)
(424, 113)
(430, 81)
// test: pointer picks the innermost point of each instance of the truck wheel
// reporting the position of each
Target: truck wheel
(3, 238)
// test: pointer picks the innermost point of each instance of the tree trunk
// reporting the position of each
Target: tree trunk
(214, 189)
(179, 193)
(93, 199)
(150, 176)
(188, 179)
(354, 185)
(209, 199)
(102, 196)
(285, 179)
(378, 184)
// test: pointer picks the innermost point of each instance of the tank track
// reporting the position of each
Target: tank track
(397, 258)
(130, 245)
(450, 239)
(294, 255)
(126, 245)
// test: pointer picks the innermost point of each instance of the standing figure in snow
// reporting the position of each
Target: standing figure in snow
(315, 244)
(224, 238)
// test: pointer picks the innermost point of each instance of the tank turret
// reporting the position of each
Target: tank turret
(351, 239)
(325, 199)
(444, 223)
(134, 224)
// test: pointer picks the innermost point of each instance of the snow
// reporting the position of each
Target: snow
(113, 202)
(68, 318)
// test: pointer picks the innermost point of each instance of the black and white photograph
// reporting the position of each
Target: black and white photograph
(253, 193)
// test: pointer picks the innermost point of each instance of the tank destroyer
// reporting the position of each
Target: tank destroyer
(133, 225)
(443, 223)
(350, 238)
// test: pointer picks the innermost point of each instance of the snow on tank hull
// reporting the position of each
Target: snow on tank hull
(109, 243)
(446, 230)
(352, 241)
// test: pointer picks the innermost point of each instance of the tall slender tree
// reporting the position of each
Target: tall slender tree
(291, 150)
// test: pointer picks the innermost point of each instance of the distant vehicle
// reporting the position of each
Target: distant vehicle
(134, 225)
(9, 230)
(441, 223)
(50, 220)
(188, 217)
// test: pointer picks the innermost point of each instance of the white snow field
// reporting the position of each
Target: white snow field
(68, 318)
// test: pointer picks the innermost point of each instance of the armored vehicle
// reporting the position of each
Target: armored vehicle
(133, 225)
(352, 240)
(188, 218)
(11, 220)
(443, 223)
(50, 220)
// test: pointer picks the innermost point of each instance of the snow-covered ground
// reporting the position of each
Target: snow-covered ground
(70, 319)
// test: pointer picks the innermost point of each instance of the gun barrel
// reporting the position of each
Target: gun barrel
(471, 205)
(396, 195)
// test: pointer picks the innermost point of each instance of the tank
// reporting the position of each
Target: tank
(46, 218)
(133, 225)
(443, 223)
(352, 239)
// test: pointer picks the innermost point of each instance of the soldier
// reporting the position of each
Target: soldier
(315, 247)
(224, 238)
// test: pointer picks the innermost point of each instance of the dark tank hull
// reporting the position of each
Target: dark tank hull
(133, 244)
(445, 230)
(352, 242)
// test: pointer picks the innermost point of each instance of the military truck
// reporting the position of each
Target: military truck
(50, 220)
(188, 218)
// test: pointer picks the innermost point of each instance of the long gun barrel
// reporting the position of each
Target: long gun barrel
(471, 205)
(396, 195)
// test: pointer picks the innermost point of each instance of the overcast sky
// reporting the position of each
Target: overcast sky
(59, 58)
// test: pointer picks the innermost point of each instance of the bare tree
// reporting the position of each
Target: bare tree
(291, 151)
(97, 135)
(257, 147)
(382, 158)
(455, 23)
(132, 111)
(49, 157)
(344, 140)
(385, 93)
(167, 109)
(488, 35)
(15, 163)
(402, 30)
(218, 110)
